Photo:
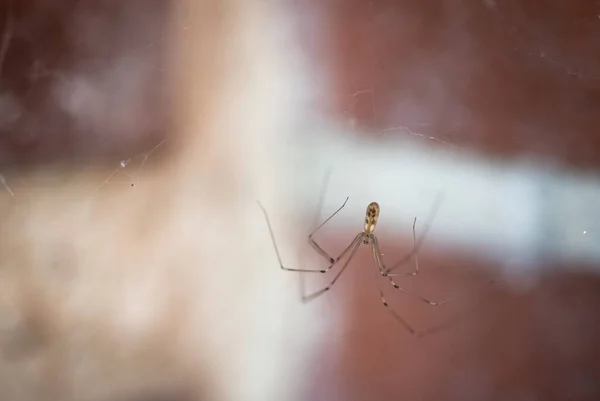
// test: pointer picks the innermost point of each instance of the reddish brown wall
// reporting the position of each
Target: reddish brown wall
(503, 80)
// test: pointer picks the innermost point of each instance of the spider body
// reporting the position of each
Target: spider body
(365, 237)
(371, 218)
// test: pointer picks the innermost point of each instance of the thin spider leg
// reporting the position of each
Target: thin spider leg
(408, 326)
(456, 319)
(376, 259)
(354, 245)
(277, 249)
(427, 301)
(416, 247)
(331, 260)
(417, 243)
(319, 208)
(414, 254)
(314, 244)
(431, 330)
(396, 315)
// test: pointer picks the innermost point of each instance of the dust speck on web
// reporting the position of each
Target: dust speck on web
(128, 172)
(122, 173)
(104, 111)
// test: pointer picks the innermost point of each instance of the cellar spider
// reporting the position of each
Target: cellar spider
(365, 237)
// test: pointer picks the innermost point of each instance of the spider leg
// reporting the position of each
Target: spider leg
(396, 315)
(320, 250)
(354, 245)
(448, 323)
(378, 263)
(416, 243)
(427, 301)
(388, 307)
(408, 326)
(314, 244)
(412, 254)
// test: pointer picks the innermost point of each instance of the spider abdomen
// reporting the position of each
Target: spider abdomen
(371, 217)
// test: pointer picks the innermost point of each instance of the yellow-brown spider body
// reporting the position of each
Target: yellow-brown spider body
(365, 237)
(371, 217)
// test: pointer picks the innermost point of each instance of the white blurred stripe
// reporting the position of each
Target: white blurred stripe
(518, 213)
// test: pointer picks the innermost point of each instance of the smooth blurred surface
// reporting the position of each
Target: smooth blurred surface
(507, 79)
(461, 89)
(499, 342)
(515, 87)
(118, 278)
(80, 80)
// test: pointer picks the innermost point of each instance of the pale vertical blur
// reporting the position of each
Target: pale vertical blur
(122, 287)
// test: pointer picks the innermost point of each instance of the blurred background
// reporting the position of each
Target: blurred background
(492, 104)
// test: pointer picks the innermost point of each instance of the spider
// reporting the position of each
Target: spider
(365, 237)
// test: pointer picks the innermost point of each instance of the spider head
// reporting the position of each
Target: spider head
(371, 217)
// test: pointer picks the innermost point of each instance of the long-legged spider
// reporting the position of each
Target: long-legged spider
(365, 237)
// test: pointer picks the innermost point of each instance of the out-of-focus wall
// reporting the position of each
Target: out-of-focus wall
(135, 263)
(492, 104)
